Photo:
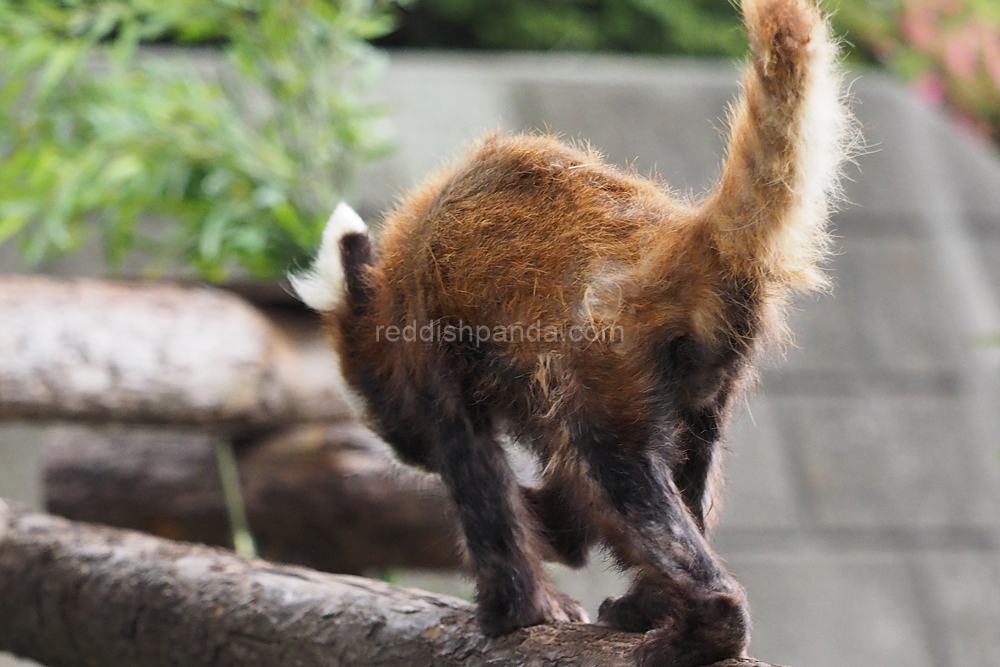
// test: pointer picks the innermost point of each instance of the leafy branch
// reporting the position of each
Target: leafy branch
(207, 161)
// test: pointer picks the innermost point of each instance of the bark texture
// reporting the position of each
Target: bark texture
(324, 496)
(163, 481)
(156, 353)
(72, 594)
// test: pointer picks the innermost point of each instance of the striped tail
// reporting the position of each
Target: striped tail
(791, 132)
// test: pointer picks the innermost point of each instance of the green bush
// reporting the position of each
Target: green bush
(695, 27)
(240, 154)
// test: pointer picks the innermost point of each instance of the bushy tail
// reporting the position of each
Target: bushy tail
(790, 133)
(334, 281)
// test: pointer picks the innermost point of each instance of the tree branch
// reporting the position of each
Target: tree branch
(73, 594)
(325, 496)
(89, 350)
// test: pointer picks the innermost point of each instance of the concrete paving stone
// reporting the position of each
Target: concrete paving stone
(901, 133)
(857, 222)
(889, 462)
(972, 166)
(440, 102)
(823, 352)
(964, 597)
(8, 660)
(434, 114)
(668, 116)
(21, 463)
(989, 252)
(896, 302)
(688, 160)
(883, 181)
(759, 493)
(883, 326)
(985, 226)
(822, 610)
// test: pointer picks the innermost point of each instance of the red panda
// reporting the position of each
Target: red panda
(533, 291)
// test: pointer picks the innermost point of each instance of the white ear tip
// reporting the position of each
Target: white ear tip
(322, 286)
(344, 220)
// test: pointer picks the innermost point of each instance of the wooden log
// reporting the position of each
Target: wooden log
(334, 498)
(154, 353)
(324, 496)
(74, 595)
(160, 480)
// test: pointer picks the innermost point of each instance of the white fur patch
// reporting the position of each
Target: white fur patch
(322, 287)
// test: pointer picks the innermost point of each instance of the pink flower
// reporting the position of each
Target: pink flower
(961, 53)
(919, 27)
(930, 88)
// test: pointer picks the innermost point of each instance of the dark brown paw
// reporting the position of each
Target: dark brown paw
(566, 610)
(714, 629)
(643, 608)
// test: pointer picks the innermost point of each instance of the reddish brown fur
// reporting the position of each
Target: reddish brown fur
(527, 231)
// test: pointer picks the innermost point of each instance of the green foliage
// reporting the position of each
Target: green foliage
(698, 27)
(688, 27)
(239, 148)
(230, 154)
(950, 49)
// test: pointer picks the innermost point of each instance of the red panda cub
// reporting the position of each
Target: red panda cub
(533, 291)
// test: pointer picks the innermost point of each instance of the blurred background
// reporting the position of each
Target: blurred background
(190, 144)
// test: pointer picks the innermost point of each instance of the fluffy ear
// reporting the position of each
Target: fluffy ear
(323, 287)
